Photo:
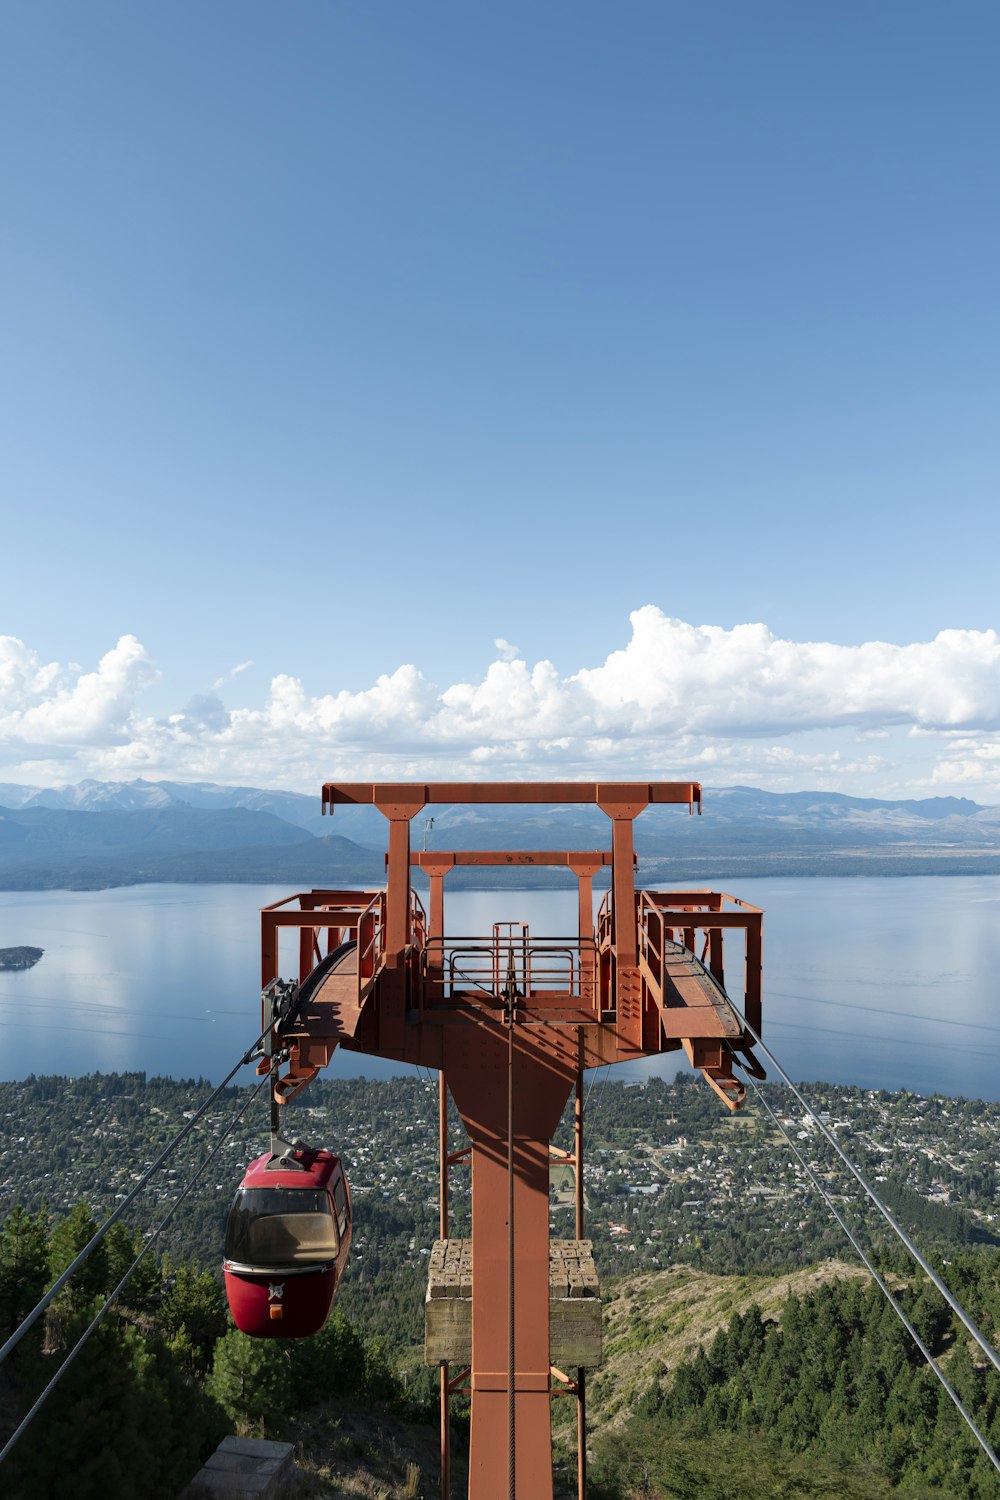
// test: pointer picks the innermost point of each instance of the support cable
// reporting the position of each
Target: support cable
(113, 1218)
(888, 1216)
(897, 1309)
(605, 1070)
(71, 1356)
(590, 1085)
(980, 1048)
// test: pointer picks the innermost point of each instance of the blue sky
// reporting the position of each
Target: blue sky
(347, 340)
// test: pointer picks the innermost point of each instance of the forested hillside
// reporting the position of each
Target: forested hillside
(829, 1392)
(164, 1377)
(697, 1218)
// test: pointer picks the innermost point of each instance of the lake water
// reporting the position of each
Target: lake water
(881, 982)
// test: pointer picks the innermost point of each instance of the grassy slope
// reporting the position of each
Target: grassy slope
(652, 1322)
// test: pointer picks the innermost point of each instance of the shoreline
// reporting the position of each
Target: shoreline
(652, 871)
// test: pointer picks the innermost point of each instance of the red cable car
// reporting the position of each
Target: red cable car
(287, 1240)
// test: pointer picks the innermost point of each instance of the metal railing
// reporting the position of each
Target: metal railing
(344, 917)
(476, 965)
(684, 917)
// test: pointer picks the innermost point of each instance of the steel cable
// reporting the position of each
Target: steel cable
(474, 983)
(856, 1172)
(981, 1049)
(590, 1085)
(605, 1070)
(113, 1218)
(881, 1010)
(71, 1356)
(897, 1309)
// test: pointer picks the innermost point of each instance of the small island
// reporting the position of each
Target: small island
(19, 958)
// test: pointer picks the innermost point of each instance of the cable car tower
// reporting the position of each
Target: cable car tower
(511, 1020)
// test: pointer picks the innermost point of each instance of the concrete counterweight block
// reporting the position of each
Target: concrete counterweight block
(248, 1469)
(574, 1304)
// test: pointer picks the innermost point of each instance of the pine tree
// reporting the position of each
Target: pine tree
(332, 1363)
(90, 1441)
(193, 1304)
(251, 1379)
(68, 1238)
(23, 1267)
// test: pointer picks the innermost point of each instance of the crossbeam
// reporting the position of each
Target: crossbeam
(416, 795)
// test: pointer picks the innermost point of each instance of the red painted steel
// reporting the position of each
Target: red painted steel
(415, 796)
(511, 1021)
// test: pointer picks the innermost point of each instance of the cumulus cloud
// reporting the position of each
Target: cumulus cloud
(204, 711)
(748, 681)
(675, 699)
(48, 704)
(968, 761)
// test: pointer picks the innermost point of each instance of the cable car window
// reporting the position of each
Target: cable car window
(340, 1199)
(281, 1227)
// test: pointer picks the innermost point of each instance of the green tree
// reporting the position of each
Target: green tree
(193, 1304)
(68, 1238)
(23, 1266)
(251, 1379)
(92, 1439)
(332, 1363)
(121, 1249)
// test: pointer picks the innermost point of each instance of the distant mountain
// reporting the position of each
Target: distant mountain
(149, 796)
(745, 826)
(314, 862)
(41, 829)
(112, 833)
(45, 847)
(746, 802)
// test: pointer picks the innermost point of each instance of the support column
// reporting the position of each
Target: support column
(621, 807)
(585, 872)
(443, 1148)
(307, 952)
(399, 804)
(435, 867)
(477, 1062)
(445, 1434)
(753, 970)
(397, 906)
(268, 951)
(443, 1234)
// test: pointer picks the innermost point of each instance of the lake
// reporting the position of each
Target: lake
(888, 983)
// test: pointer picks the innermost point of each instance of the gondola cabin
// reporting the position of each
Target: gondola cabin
(287, 1241)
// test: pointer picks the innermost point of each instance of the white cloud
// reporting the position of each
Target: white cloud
(970, 762)
(748, 681)
(228, 676)
(676, 699)
(43, 704)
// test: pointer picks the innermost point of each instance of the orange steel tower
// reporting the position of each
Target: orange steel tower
(511, 1019)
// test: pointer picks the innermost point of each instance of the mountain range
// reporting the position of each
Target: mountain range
(98, 834)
